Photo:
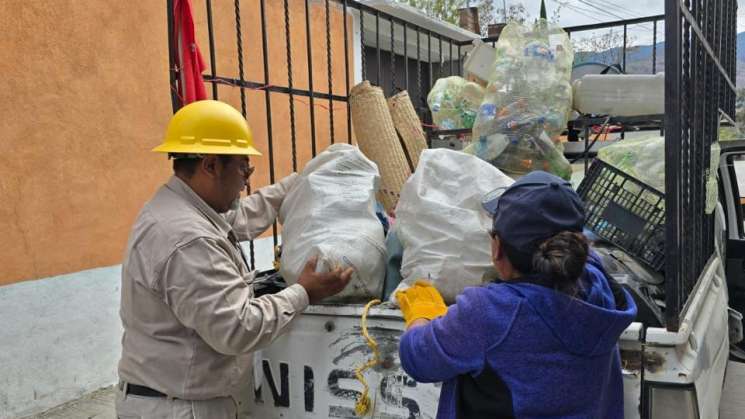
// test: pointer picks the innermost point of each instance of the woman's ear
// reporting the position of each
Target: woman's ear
(496, 250)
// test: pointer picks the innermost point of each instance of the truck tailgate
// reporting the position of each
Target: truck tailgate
(309, 371)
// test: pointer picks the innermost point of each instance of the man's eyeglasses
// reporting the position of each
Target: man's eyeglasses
(247, 169)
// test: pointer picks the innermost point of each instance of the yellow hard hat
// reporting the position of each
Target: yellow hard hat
(208, 127)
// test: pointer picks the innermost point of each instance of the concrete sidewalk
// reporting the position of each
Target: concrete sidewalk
(100, 404)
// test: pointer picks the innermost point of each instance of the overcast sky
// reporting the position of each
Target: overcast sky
(579, 12)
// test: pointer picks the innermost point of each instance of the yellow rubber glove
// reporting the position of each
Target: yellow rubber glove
(421, 301)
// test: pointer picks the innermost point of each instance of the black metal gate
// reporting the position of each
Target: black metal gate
(699, 90)
(412, 59)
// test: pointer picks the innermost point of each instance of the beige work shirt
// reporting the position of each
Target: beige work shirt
(189, 313)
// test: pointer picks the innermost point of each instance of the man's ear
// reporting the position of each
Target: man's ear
(209, 165)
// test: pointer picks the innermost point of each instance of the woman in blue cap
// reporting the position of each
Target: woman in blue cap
(540, 343)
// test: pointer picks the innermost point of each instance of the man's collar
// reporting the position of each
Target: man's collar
(185, 191)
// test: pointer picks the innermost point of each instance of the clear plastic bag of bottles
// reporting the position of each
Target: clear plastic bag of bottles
(454, 102)
(527, 101)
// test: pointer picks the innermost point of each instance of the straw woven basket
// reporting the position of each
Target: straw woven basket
(409, 126)
(376, 137)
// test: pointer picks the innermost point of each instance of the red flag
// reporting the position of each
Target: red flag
(191, 84)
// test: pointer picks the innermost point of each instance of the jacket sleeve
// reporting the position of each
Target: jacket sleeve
(207, 293)
(450, 345)
(258, 211)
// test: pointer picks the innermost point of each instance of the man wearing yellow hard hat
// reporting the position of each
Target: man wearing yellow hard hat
(190, 317)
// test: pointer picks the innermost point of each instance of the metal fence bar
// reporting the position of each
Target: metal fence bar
(288, 47)
(439, 63)
(429, 57)
(377, 45)
(625, 41)
(172, 70)
(211, 33)
(460, 61)
(406, 57)
(451, 57)
(346, 71)
(654, 48)
(605, 25)
(312, 106)
(419, 72)
(393, 58)
(330, 75)
(696, 121)
(239, 47)
(271, 88)
(268, 105)
(362, 45)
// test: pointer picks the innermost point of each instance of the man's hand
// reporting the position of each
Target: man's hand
(421, 301)
(322, 285)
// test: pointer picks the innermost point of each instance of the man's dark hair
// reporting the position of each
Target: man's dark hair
(187, 166)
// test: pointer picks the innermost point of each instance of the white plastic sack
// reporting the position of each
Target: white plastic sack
(441, 222)
(330, 213)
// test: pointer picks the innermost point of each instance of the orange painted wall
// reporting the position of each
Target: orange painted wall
(85, 97)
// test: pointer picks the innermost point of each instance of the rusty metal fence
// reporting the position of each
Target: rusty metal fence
(412, 59)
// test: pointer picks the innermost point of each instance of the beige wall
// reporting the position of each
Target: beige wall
(85, 97)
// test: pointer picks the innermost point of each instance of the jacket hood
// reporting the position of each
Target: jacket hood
(588, 324)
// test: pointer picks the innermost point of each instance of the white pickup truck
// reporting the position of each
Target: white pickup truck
(309, 372)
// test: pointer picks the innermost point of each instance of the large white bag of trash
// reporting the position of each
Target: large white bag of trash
(330, 212)
(441, 222)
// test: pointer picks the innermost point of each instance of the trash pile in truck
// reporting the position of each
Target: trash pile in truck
(516, 100)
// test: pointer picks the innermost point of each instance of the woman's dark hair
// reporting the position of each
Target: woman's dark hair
(560, 260)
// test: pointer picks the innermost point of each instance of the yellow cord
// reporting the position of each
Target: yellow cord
(362, 407)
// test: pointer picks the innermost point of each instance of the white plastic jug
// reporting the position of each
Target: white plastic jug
(620, 94)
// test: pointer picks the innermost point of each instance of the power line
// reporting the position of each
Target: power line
(579, 11)
(600, 9)
(619, 9)
(588, 12)
(595, 5)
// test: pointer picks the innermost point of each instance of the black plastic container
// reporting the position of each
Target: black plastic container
(626, 212)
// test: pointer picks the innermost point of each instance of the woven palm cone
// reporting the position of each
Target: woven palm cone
(408, 125)
(377, 139)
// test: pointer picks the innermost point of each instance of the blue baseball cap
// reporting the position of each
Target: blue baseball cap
(536, 207)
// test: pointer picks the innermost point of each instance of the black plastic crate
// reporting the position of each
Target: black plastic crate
(626, 212)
